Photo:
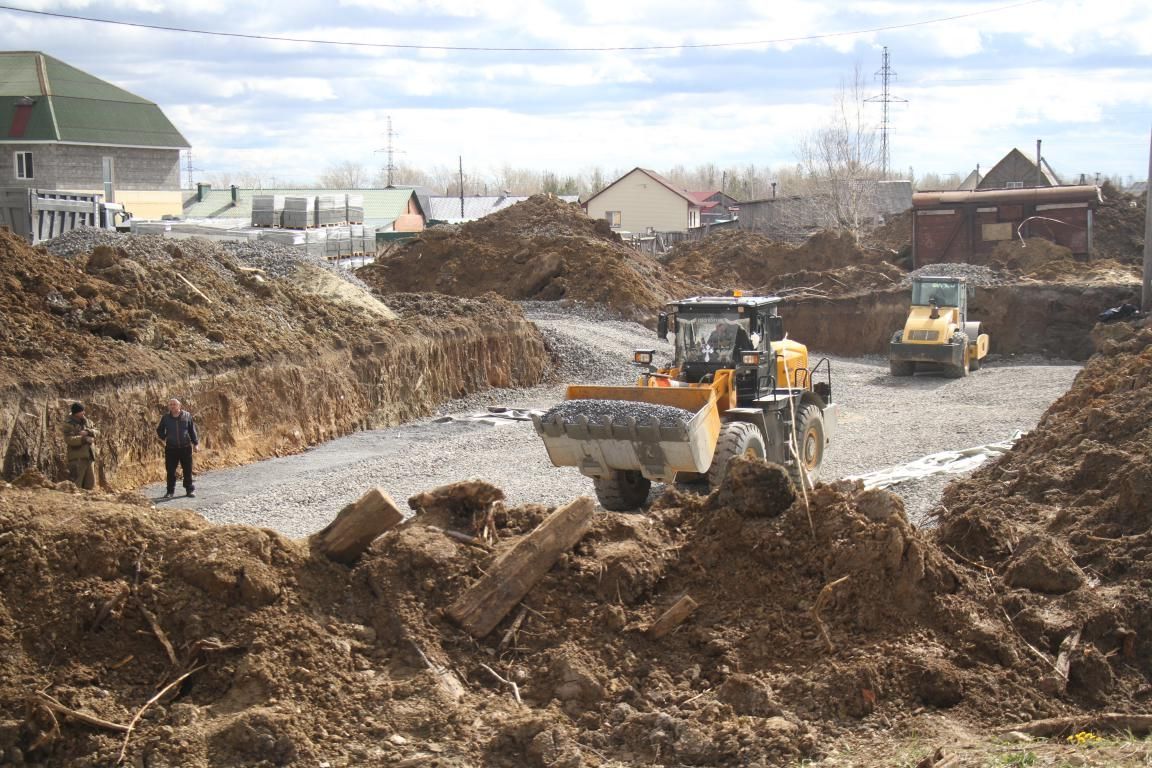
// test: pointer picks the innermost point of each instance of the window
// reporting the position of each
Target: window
(613, 218)
(1014, 185)
(23, 165)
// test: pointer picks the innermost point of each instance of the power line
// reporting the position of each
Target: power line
(678, 46)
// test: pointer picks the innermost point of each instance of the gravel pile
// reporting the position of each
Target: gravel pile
(618, 412)
(276, 260)
(884, 422)
(976, 274)
(282, 260)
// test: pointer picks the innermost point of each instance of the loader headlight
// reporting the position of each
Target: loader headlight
(751, 358)
(643, 356)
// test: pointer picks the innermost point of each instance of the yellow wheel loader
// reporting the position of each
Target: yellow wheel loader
(938, 332)
(735, 385)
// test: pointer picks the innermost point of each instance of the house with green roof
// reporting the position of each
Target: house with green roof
(64, 129)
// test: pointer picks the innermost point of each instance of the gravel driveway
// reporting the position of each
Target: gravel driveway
(884, 422)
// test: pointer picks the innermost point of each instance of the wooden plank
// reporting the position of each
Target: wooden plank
(512, 576)
(356, 526)
(672, 618)
(1138, 724)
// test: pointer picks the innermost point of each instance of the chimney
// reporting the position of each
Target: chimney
(235, 194)
(1039, 169)
(21, 116)
(202, 190)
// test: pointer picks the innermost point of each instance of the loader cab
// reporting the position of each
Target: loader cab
(713, 333)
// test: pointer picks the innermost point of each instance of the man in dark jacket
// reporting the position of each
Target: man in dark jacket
(80, 437)
(178, 433)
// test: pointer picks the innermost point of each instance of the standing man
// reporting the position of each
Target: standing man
(178, 434)
(80, 437)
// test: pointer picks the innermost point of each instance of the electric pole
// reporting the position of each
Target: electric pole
(390, 153)
(887, 76)
(1146, 296)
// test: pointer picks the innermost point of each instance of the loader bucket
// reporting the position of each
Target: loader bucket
(645, 438)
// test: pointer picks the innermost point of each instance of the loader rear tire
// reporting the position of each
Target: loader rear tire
(974, 363)
(810, 444)
(736, 438)
(622, 490)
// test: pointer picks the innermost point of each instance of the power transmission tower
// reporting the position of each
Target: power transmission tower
(390, 153)
(885, 98)
(190, 169)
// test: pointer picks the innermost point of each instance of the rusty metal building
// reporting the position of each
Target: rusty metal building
(955, 226)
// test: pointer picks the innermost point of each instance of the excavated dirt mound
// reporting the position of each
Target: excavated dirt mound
(270, 359)
(1118, 226)
(827, 264)
(1064, 524)
(1044, 261)
(236, 646)
(159, 305)
(541, 248)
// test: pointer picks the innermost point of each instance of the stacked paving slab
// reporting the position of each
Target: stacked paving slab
(299, 212)
(267, 210)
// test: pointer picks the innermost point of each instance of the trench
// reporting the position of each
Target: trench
(274, 408)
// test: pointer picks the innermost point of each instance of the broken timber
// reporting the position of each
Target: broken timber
(356, 526)
(672, 618)
(514, 573)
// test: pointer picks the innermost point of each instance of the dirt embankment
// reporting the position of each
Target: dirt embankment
(814, 616)
(827, 263)
(541, 249)
(267, 366)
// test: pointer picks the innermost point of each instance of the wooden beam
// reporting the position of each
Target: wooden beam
(672, 618)
(512, 576)
(356, 526)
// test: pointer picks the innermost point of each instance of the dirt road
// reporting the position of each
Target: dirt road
(884, 422)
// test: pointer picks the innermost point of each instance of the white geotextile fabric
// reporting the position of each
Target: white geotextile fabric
(945, 462)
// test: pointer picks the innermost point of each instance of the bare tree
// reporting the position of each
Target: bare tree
(842, 163)
(345, 175)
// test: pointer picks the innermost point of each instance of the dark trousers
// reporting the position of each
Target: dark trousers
(174, 455)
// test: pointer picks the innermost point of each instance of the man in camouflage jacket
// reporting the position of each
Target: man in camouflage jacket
(80, 436)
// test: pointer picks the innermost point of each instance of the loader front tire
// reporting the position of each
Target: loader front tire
(736, 438)
(622, 490)
(810, 444)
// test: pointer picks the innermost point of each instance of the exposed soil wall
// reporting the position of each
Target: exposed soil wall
(270, 360)
(272, 409)
(1054, 320)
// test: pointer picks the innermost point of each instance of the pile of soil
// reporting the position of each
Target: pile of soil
(816, 615)
(1118, 226)
(539, 249)
(1044, 261)
(152, 304)
(826, 264)
(1064, 523)
(270, 359)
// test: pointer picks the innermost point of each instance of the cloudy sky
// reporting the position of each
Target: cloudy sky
(656, 83)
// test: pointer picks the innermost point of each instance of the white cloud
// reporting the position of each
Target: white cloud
(1078, 75)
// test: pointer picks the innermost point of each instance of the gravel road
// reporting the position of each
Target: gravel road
(884, 422)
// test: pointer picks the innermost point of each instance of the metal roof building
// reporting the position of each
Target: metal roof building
(455, 210)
